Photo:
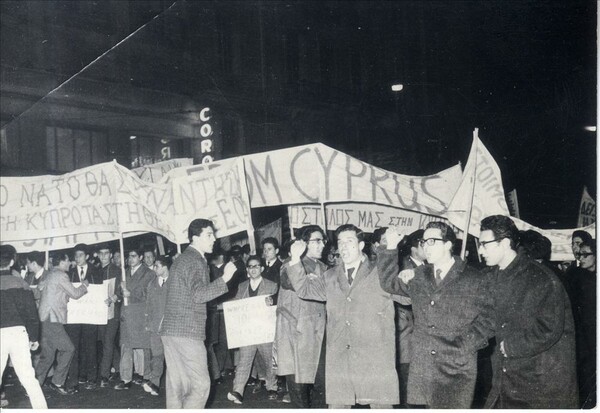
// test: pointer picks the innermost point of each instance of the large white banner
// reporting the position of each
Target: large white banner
(587, 209)
(249, 321)
(156, 171)
(94, 204)
(91, 308)
(367, 217)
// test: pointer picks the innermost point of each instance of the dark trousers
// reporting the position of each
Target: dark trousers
(223, 354)
(403, 380)
(107, 335)
(305, 395)
(84, 365)
(55, 343)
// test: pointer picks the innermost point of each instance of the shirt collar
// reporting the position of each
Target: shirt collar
(254, 283)
(134, 269)
(445, 267)
(38, 274)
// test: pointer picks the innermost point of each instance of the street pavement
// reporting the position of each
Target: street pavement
(135, 398)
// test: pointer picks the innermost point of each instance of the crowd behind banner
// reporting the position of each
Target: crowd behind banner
(383, 313)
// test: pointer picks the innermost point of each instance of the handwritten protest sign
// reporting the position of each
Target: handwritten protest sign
(249, 321)
(91, 308)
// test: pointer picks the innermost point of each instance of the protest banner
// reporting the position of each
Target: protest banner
(367, 217)
(587, 210)
(249, 321)
(155, 172)
(272, 229)
(560, 238)
(513, 203)
(480, 193)
(90, 308)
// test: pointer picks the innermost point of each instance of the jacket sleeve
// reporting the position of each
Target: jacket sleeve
(305, 287)
(387, 268)
(71, 291)
(547, 306)
(284, 279)
(481, 329)
(27, 309)
(204, 290)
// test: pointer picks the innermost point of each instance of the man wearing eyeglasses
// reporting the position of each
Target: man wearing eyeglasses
(452, 309)
(534, 363)
(361, 349)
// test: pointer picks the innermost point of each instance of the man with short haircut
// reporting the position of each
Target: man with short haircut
(270, 249)
(56, 290)
(534, 362)
(133, 315)
(35, 265)
(84, 367)
(361, 345)
(19, 328)
(149, 258)
(183, 330)
(253, 287)
(453, 320)
(108, 333)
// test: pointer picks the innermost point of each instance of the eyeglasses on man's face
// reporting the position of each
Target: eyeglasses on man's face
(580, 255)
(429, 241)
(485, 243)
(253, 267)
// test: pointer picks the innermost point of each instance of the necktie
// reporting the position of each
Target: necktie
(350, 271)
(81, 275)
(438, 276)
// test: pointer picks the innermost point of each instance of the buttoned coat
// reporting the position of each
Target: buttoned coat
(452, 321)
(189, 289)
(300, 326)
(155, 305)
(534, 320)
(361, 348)
(133, 315)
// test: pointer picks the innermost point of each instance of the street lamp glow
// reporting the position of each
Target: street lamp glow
(398, 87)
(590, 128)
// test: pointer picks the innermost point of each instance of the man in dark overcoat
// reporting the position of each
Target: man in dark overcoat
(534, 363)
(453, 319)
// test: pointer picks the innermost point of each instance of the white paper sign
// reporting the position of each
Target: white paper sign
(91, 308)
(249, 321)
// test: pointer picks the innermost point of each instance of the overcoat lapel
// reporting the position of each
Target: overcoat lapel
(364, 269)
(342, 278)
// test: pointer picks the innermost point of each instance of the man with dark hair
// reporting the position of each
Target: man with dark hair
(300, 329)
(108, 333)
(453, 320)
(270, 249)
(149, 258)
(534, 363)
(19, 328)
(84, 367)
(361, 346)
(184, 325)
(377, 239)
(133, 315)
(35, 266)
(56, 290)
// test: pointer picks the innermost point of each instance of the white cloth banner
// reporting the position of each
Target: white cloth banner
(560, 238)
(587, 209)
(367, 217)
(249, 321)
(513, 203)
(94, 204)
(488, 198)
(155, 172)
(91, 308)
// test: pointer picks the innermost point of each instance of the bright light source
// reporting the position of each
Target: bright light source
(398, 87)
(590, 128)
(132, 137)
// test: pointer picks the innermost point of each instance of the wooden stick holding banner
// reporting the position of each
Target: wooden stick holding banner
(123, 276)
(178, 248)
(244, 192)
(47, 256)
(463, 249)
(322, 203)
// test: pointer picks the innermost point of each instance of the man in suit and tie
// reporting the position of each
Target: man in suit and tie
(84, 367)
(270, 249)
(452, 308)
(256, 285)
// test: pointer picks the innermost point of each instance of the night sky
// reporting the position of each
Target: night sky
(523, 72)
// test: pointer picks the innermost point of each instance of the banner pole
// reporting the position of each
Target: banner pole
(241, 165)
(123, 276)
(178, 248)
(463, 249)
(47, 256)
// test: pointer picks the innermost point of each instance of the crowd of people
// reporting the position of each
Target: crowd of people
(386, 320)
